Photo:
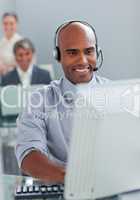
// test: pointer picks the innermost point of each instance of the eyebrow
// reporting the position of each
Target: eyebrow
(68, 50)
(74, 49)
(90, 48)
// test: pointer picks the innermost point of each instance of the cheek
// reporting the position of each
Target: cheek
(92, 60)
(5, 27)
(18, 60)
(65, 59)
(8, 28)
(28, 59)
(14, 27)
(68, 63)
(65, 68)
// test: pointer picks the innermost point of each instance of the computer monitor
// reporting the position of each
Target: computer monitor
(104, 156)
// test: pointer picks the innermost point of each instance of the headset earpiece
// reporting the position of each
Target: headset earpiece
(56, 53)
(100, 59)
(98, 51)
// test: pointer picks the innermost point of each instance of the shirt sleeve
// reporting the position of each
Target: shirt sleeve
(31, 130)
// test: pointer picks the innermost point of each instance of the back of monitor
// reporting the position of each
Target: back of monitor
(104, 154)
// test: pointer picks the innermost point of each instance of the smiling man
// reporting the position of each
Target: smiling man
(44, 131)
(26, 72)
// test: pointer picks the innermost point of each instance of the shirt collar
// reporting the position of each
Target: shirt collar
(68, 86)
(28, 72)
(70, 91)
(12, 38)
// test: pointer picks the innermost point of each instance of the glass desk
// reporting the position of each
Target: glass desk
(7, 186)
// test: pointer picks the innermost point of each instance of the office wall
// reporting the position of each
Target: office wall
(6, 5)
(116, 22)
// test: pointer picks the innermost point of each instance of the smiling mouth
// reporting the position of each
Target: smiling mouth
(82, 70)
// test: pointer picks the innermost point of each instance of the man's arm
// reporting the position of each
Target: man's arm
(39, 166)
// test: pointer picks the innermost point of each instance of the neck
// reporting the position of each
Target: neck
(24, 69)
(9, 36)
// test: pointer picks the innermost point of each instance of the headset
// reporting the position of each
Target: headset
(56, 52)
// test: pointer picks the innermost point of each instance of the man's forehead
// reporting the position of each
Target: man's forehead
(9, 18)
(21, 49)
(76, 33)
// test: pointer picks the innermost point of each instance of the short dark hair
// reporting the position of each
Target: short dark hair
(24, 44)
(10, 14)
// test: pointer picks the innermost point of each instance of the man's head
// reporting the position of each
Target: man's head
(9, 21)
(24, 51)
(77, 43)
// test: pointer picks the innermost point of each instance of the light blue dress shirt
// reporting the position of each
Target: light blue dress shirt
(46, 123)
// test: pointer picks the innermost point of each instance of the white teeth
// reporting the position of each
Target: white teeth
(82, 70)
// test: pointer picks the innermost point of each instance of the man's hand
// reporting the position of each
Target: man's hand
(38, 165)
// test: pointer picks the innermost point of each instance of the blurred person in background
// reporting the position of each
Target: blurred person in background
(26, 72)
(9, 26)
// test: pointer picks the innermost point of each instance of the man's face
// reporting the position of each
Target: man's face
(78, 52)
(24, 58)
(9, 25)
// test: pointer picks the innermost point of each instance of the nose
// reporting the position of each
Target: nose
(82, 59)
(24, 57)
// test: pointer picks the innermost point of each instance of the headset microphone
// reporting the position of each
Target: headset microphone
(95, 69)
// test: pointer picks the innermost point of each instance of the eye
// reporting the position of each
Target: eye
(90, 51)
(72, 52)
(27, 54)
(5, 24)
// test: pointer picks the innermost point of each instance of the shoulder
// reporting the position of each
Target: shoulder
(52, 89)
(39, 70)
(43, 99)
(17, 37)
(42, 74)
(49, 93)
(9, 74)
(7, 77)
(102, 80)
(2, 43)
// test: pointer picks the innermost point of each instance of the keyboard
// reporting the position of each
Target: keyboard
(39, 192)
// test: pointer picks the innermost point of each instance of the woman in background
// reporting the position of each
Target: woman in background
(9, 24)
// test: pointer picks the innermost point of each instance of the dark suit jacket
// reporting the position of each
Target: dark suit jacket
(39, 76)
